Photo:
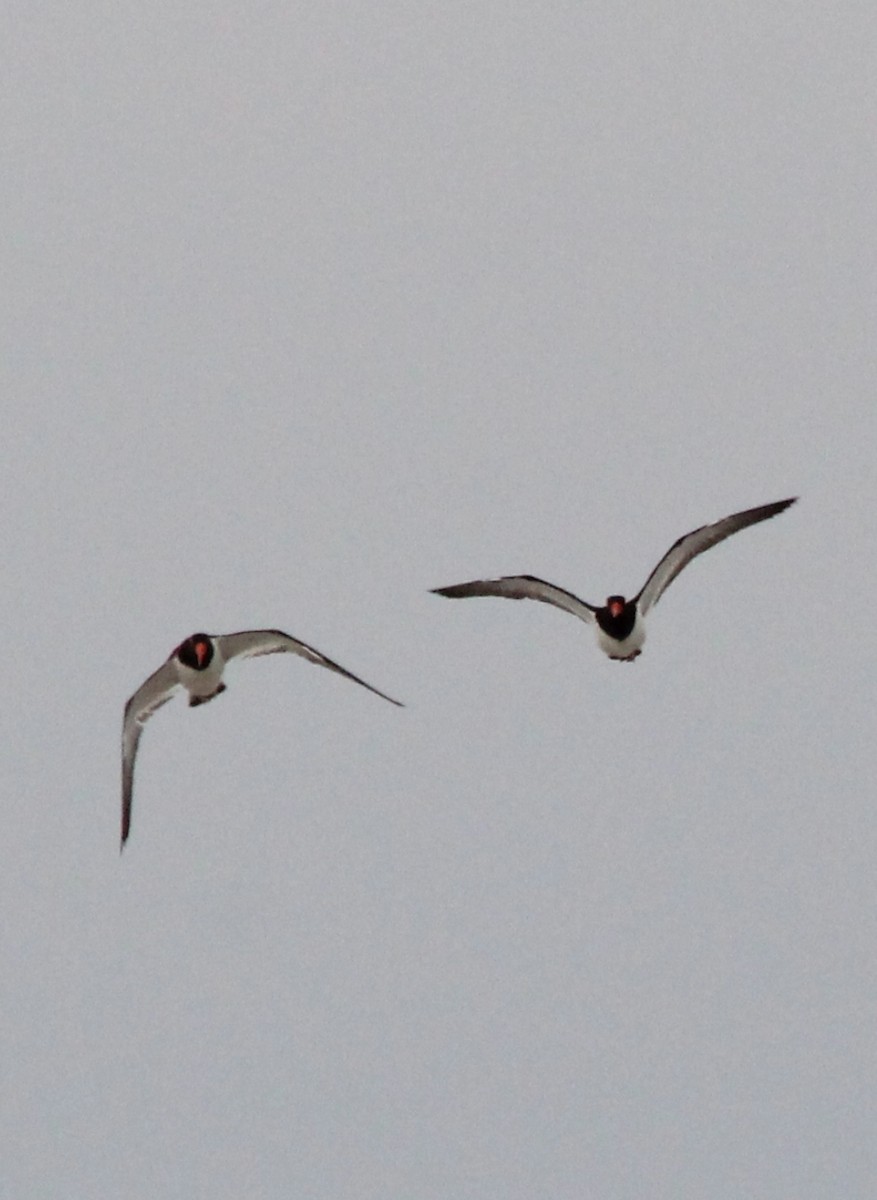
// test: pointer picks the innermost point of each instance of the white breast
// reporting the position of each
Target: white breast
(202, 683)
(631, 644)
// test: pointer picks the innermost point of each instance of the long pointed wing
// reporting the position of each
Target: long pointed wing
(155, 691)
(691, 544)
(522, 587)
(251, 642)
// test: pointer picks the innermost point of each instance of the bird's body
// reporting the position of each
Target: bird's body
(201, 682)
(621, 635)
(620, 623)
(198, 665)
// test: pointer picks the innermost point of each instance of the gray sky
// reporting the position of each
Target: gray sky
(308, 309)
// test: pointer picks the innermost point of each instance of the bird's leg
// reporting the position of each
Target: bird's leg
(194, 701)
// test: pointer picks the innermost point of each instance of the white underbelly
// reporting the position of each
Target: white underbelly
(630, 645)
(202, 683)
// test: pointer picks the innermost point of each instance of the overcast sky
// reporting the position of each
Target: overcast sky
(310, 308)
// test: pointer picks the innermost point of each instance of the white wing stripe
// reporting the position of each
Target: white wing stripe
(687, 547)
(522, 587)
(252, 642)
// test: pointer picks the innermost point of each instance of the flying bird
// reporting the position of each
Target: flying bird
(198, 664)
(620, 623)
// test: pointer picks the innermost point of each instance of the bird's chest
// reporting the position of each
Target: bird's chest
(619, 627)
(204, 682)
(620, 636)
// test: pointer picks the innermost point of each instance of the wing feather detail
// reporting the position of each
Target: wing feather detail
(522, 587)
(252, 642)
(149, 697)
(687, 547)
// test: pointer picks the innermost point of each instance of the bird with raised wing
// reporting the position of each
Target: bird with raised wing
(198, 665)
(620, 623)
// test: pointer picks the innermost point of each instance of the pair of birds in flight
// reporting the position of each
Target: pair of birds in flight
(198, 663)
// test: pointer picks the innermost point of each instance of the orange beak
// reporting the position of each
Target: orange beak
(200, 653)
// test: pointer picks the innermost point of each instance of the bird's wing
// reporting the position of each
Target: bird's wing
(155, 691)
(522, 587)
(691, 544)
(251, 642)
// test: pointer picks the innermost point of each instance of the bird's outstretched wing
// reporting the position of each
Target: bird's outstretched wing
(691, 544)
(251, 642)
(522, 587)
(155, 691)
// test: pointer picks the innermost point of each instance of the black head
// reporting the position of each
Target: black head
(196, 651)
(617, 617)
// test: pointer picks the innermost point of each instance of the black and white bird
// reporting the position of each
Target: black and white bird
(198, 664)
(620, 623)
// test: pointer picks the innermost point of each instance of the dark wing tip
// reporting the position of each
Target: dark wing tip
(375, 691)
(764, 511)
(781, 505)
(475, 587)
(761, 512)
(383, 695)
